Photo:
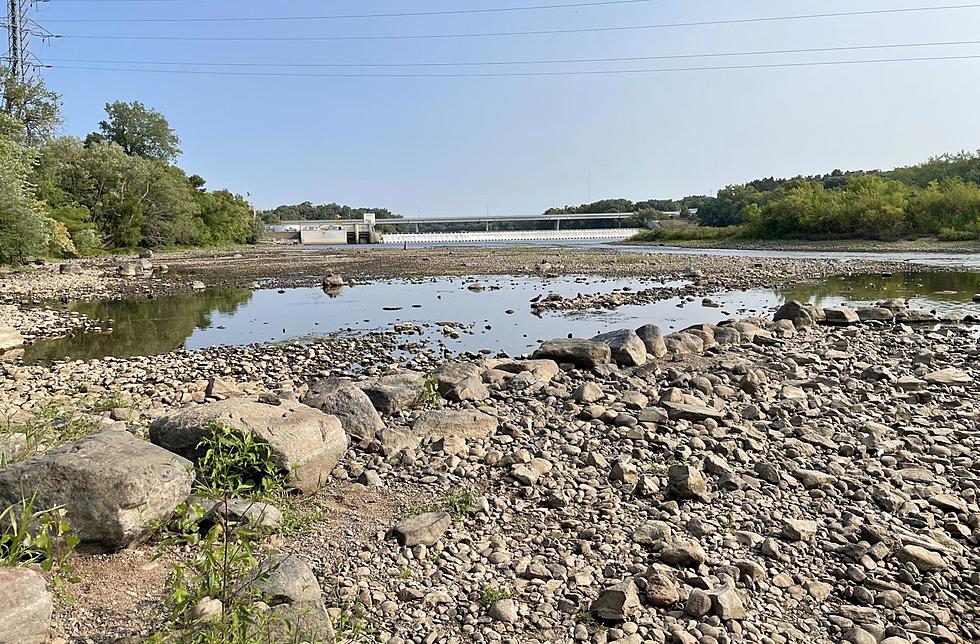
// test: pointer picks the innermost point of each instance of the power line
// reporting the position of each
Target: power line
(540, 32)
(398, 14)
(620, 59)
(597, 72)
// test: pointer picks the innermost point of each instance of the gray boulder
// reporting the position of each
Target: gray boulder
(801, 314)
(916, 316)
(459, 381)
(422, 529)
(653, 340)
(340, 398)
(287, 579)
(305, 442)
(396, 392)
(875, 314)
(617, 603)
(840, 316)
(10, 338)
(112, 485)
(25, 607)
(455, 423)
(683, 344)
(628, 350)
(581, 353)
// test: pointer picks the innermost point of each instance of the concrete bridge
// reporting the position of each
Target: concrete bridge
(419, 229)
(611, 234)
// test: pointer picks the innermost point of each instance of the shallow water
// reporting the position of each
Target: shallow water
(239, 317)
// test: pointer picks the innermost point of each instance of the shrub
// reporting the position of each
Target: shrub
(33, 537)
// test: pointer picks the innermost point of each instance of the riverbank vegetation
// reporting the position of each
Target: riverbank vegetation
(119, 188)
(938, 198)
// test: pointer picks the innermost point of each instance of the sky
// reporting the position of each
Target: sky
(457, 145)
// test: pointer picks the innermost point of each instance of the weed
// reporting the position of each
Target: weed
(32, 537)
(405, 573)
(53, 425)
(110, 400)
(429, 396)
(459, 503)
(490, 595)
(237, 462)
(352, 626)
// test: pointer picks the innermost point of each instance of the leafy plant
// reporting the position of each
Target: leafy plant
(459, 503)
(490, 595)
(52, 425)
(33, 537)
(237, 462)
(405, 573)
(429, 396)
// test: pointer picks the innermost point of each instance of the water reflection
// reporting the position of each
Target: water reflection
(498, 318)
(141, 327)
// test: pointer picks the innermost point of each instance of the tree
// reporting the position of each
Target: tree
(33, 105)
(727, 208)
(139, 131)
(24, 232)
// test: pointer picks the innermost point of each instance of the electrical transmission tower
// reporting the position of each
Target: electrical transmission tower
(20, 28)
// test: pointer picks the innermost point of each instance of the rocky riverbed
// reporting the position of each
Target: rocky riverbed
(812, 477)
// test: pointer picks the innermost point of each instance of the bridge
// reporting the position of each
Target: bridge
(420, 229)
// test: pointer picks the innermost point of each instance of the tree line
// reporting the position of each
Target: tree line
(118, 188)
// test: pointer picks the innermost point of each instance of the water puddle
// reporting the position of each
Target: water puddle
(496, 318)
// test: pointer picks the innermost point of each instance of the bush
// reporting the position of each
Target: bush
(42, 538)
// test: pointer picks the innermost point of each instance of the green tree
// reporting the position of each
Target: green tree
(728, 207)
(24, 232)
(33, 105)
(139, 131)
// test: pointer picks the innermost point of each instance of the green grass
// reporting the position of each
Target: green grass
(690, 233)
(490, 595)
(459, 503)
(56, 423)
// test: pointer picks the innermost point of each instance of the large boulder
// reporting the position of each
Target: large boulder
(628, 350)
(581, 353)
(10, 338)
(25, 607)
(840, 316)
(112, 485)
(653, 340)
(396, 392)
(801, 314)
(543, 370)
(459, 381)
(339, 397)
(453, 423)
(683, 344)
(306, 443)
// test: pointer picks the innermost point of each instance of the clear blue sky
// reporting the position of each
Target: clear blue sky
(442, 146)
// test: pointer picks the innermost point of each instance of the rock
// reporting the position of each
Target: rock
(69, 269)
(875, 314)
(801, 314)
(287, 579)
(698, 603)
(301, 622)
(111, 484)
(923, 559)
(396, 392)
(394, 440)
(459, 381)
(588, 393)
(727, 604)
(422, 529)
(504, 610)
(916, 316)
(222, 388)
(198, 285)
(683, 344)
(254, 513)
(653, 340)
(207, 610)
(948, 376)
(25, 607)
(10, 338)
(686, 482)
(306, 443)
(543, 370)
(799, 529)
(130, 269)
(679, 551)
(332, 281)
(617, 603)
(695, 413)
(661, 590)
(455, 423)
(582, 353)
(840, 316)
(628, 350)
(339, 397)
